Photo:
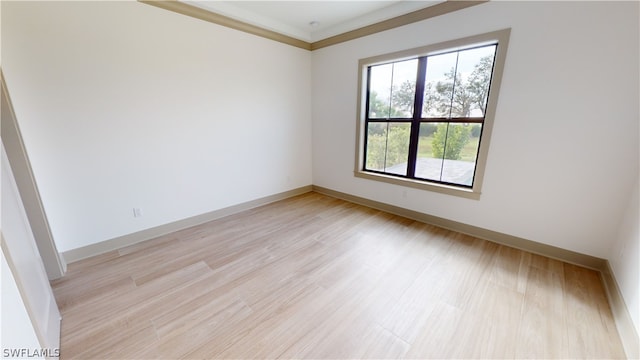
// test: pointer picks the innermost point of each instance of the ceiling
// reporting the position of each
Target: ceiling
(312, 21)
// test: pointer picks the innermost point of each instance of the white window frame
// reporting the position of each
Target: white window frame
(501, 37)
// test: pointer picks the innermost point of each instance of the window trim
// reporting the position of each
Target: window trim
(499, 36)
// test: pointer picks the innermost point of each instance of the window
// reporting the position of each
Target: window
(425, 115)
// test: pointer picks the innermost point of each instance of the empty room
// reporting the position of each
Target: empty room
(320, 179)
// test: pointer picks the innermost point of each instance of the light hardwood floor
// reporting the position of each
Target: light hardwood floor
(317, 277)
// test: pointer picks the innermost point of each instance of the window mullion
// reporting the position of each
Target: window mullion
(366, 123)
(417, 114)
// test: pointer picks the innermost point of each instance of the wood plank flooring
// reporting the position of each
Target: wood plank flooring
(316, 277)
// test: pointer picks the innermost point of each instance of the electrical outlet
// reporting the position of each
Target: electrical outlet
(137, 212)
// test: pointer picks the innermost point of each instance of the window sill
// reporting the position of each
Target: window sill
(422, 185)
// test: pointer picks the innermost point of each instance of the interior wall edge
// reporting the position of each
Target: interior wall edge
(102, 247)
(20, 164)
(621, 315)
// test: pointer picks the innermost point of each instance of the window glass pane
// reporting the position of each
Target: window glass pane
(472, 82)
(376, 146)
(380, 91)
(403, 91)
(392, 90)
(388, 147)
(429, 161)
(438, 86)
(460, 151)
(448, 151)
(397, 148)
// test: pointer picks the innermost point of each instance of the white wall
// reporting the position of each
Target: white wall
(125, 105)
(625, 257)
(564, 148)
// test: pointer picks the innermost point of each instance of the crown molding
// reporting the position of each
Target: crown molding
(212, 17)
(443, 8)
(206, 15)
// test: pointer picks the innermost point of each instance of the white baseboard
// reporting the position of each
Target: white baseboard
(626, 329)
(489, 235)
(147, 234)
